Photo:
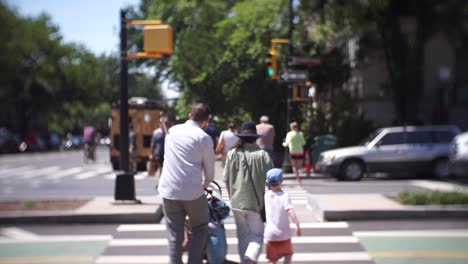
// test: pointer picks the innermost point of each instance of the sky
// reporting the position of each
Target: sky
(93, 23)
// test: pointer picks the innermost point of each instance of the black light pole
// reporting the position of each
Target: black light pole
(286, 167)
(124, 182)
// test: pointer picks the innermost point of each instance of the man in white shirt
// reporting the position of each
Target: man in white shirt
(188, 168)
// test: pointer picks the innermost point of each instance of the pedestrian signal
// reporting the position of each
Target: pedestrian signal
(272, 65)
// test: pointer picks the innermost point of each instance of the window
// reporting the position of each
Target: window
(393, 139)
(420, 137)
(444, 136)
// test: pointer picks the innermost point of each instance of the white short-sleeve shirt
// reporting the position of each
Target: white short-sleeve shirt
(277, 224)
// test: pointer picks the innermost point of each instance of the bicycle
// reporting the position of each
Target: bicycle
(89, 153)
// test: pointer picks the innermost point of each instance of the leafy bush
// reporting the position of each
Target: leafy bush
(432, 198)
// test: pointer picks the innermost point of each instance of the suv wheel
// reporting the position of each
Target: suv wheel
(440, 169)
(352, 170)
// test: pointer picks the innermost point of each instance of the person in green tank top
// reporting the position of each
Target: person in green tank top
(295, 143)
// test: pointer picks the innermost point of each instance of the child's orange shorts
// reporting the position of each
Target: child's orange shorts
(278, 249)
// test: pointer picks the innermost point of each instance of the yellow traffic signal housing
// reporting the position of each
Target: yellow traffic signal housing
(272, 65)
(158, 39)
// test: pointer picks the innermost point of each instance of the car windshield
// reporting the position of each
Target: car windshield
(369, 138)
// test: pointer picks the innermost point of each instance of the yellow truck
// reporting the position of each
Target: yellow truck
(144, 115)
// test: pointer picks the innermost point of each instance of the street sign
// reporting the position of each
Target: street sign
(295, 76)
(306, 61)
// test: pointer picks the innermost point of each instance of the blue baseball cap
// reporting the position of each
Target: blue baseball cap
(274, 176)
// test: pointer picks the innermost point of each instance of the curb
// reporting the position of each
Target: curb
(323, 213)
(71, 217)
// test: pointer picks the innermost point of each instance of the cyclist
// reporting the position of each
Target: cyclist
(89, 140)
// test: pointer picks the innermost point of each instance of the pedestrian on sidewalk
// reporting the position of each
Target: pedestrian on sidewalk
(188, 168)
(278, 207)
(227, 140)
(244, 175)
(157, 146)
(267, 131)
(295, 143)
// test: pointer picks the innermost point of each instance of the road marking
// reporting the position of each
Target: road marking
(438, 186)
(40, 172)
(139, 176)
(8, 172)
(162, 227)
(91, 174)
(17, 233)
(233, 241)
(65, 173)
(414, 233)
(47, 259)
(442, 254)
(53, 239)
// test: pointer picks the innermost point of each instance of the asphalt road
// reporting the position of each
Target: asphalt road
(65, 175)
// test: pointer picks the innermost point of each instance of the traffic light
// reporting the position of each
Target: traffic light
(272, 65)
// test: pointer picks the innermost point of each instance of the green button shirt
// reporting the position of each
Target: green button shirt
(236, 176)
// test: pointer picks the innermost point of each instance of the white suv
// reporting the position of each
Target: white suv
(408, 149)
(459, 155)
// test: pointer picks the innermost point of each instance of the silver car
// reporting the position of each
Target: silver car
(459, 155)
(408, 149)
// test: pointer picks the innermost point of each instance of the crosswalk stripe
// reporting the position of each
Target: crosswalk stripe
(64, 173)
(162, 227)
(9, 171)
(297, 257)
(414, 233)
(17, 233)
(40, 172)
(93, 173)
(234, 241)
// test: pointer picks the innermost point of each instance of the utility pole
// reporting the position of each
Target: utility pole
(125, 182)
(158, 41)
(286, 167)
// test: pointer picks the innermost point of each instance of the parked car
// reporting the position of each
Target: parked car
(459, 155)
(404, 149)
(9, 141)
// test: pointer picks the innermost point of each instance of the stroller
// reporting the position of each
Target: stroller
(216, 248)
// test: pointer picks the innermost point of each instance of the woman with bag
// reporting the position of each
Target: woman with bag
(244, 175)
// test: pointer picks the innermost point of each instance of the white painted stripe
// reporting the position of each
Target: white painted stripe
(438, 186)
(17, 233)
(51, 239)
(65, 173)
(93, 173)
(40, 172)
(140, 176)
(162, 227)
(297, 257)
(86, 175)
(110, 176)
(13, 171)
(415, 233)
(233, 241)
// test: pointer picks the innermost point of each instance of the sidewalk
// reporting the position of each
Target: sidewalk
(323, 207)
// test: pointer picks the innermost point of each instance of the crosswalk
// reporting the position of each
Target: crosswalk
(326, 242)
(57, 173)
(321, 242)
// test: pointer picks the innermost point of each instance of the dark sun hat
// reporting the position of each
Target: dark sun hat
(248, 129)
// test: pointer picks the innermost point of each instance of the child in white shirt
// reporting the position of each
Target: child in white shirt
(278, 208)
